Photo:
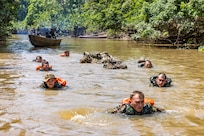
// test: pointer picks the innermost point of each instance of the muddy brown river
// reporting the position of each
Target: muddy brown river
(79, 109)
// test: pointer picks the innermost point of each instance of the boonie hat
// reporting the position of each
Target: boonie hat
(48, 76)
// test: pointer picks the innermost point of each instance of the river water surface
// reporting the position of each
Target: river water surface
(79, 109)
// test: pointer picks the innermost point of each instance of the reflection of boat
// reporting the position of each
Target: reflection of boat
(41, 41)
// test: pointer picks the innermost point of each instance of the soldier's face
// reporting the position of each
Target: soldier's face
(51, 82)
(67, 53)
(46, 67)
(147, 64)
(161, 81)
(137, 102)
(38, 59)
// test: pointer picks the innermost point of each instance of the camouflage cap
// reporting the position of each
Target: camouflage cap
(48, 76)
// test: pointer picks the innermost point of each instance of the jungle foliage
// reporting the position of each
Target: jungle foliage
(160, 21)
(8, 12)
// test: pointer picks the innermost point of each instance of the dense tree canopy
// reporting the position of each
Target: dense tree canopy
(161, 21)
(8, 12)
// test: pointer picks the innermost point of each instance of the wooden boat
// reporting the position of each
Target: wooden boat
(41, 41)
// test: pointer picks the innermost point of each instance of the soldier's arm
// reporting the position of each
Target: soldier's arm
(118, 109)
(156, 109)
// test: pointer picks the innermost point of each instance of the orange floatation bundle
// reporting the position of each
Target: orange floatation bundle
(39, 67)
(61, 81)
(63, 55)
(146, 100)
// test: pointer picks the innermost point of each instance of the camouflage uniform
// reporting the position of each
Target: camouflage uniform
(129, 110)
(154, 83)
(56, 86)
(141, 64)
(41, 69)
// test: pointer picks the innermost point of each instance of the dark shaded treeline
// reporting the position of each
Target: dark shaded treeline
(8, 12)
(155, 21)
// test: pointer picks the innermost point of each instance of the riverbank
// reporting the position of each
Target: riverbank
(125, 37)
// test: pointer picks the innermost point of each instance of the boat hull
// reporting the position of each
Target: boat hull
(40, 41)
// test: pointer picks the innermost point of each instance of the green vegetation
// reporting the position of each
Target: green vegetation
(157, 21)
(8, 12)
